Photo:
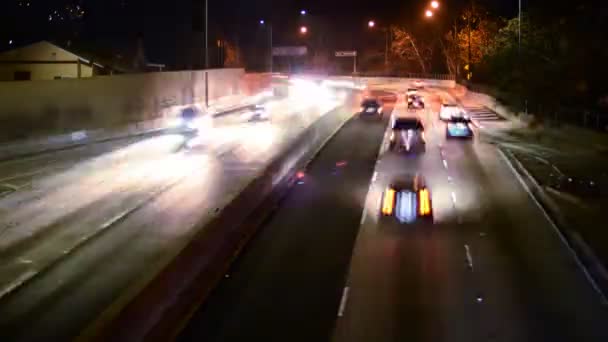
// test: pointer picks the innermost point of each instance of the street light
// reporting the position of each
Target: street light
(303, 29)
(435, 4)
(372, 24)
(303, 12)
(263, 23)
(428, 13)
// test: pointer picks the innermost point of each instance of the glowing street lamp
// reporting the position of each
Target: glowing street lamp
(303, 12)
(435, 4)
(428, 13)
(371, 24)
(303, 29)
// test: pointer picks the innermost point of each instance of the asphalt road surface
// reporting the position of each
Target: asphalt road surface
(82, 230)
(288, 283)
(490, 267)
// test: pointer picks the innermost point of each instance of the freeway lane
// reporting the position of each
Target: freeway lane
(490, 267)
(288, 281)
(88, 237)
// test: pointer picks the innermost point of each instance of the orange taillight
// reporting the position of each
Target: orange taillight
(424, 202)
(388, 202)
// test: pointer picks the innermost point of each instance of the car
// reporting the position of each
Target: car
(415, 102)
(407, 199)
(446, 110)
(189, 121)
(407, 134)
(418, 84)
(458, 127)
(371, 107)
(258, 113)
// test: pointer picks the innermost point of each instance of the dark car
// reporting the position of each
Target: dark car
(407, 135)
(415, 101)
(408, 199)
(458, 127)
(371, 107)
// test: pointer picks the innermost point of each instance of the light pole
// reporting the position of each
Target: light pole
(519, 30)
(206, 35)
(270, 59)
(372, 24)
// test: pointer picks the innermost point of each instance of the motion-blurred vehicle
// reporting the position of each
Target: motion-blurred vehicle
(407, 135)
(371, 107)
(412, 91)
(259, 113)
(458, 127)
(446, 110)
(190, 121)
(418, 84)
(415, 102)
(408, 199)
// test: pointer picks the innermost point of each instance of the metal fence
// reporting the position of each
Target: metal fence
(582, 118)
(557, 115)
(443, 77)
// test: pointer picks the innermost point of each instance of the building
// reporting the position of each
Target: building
(48, 61)
(44, 61)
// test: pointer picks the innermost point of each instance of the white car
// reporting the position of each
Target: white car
(446, 111)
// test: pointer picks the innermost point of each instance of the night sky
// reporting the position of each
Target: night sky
(167, 25)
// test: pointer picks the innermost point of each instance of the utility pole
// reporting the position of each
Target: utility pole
(271, 59)
(519, 29)
(206, 35)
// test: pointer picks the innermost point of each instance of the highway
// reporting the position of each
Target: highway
(326, 266)
(84, 229)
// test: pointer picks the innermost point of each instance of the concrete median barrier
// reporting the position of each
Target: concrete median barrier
(157, 311)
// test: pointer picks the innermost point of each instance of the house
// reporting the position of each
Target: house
(48, 61)
(44, 61)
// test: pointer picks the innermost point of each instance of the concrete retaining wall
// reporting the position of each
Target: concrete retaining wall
(165, 302)
(40, 116)
(39, 108)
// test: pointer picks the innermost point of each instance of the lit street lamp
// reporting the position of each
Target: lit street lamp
(263, 23)
(372, 24)
(428, 13)
(435, 4)
(303, 29)
(303, 12)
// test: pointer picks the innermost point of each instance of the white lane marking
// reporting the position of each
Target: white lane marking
(343, 301)
(363, 217)
(469, 257)
(561, 236)
(24, 261)
(375, 176)
(17, 282)
(453, 197)
(445, 163)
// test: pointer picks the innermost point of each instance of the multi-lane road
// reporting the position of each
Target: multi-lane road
(84, 229)
(326, 266)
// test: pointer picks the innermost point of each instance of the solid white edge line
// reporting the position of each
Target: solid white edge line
(343, 301)
(469, 257)
(553, 225)
(363, 217)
